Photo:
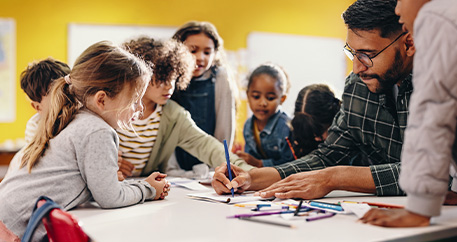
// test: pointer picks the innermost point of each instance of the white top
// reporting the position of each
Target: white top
(31, 127)
(430, 136)
(30, 131)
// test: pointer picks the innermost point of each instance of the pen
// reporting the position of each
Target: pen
(259, 214)
(384, 205)
(331, 206)
(291, 148)
(228, 164)
(266, 207)
(267, 222)
(245, 205)
(379, 205)
(298, 208)
(326, 215)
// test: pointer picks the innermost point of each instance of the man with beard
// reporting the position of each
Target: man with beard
(363, 147)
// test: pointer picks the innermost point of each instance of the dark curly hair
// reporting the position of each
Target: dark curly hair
(315, 108)
(169, 59)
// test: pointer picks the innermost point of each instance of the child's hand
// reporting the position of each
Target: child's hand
(124, 166)
(120, 177)
(157, 181)
(166, 189)
(249, 159)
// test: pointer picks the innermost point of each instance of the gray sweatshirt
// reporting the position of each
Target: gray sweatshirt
(430, 148)
(79, 164)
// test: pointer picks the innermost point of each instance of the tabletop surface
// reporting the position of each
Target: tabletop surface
(180, 218)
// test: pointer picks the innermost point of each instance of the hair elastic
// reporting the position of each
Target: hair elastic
(67, 79)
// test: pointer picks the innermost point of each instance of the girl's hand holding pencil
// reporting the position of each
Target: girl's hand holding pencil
(222, 185)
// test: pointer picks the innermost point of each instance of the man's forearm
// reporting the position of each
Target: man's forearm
(351, 178)
(263, 177)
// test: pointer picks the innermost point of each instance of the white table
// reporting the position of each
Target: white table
(179, 218)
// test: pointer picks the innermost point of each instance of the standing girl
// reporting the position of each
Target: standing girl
(315, 108)
(210, 97)
(266, 131)
(73, 156)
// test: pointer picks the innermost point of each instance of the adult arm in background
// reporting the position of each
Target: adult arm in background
(431, 132)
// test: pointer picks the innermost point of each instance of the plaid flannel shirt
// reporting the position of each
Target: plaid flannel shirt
(363, 133)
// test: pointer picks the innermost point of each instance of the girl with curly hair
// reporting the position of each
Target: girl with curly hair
(166, 125)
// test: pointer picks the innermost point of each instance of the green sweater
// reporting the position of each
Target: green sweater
(177, 129)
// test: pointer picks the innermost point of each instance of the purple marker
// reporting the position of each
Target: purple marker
(244, 215)
(326, 215)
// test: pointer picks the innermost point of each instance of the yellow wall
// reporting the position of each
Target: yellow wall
(41, 26)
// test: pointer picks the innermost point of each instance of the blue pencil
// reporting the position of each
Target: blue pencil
(228, 164)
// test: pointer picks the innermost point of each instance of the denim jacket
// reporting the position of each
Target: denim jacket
(272, 139)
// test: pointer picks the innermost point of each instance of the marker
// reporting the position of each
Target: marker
(267, 222)
(379, 205)
(331, 206)
(291, 148)
(259, 214)
(327, 215)
(298, 208)
(245, 205)
(383, 205)
(267, 207)
(228, 165)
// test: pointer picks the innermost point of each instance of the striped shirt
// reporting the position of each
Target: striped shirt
(136, 145)
(364, 133)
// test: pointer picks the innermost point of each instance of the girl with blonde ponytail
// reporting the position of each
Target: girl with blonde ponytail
(73, 157)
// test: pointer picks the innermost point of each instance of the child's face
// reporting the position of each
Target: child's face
(202, 47)
(159, 93)
(120, 109)
(264, 96)
(41, 107)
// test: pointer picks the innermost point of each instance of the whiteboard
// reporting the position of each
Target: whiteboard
(306, 59)
(81, 36)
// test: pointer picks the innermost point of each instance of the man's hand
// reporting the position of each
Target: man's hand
(394, 218)
(305, 185)
(251, 160)
(222, 185)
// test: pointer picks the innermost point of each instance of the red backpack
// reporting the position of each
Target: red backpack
(60, 226)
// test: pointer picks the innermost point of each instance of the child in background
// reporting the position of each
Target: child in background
(315, 108)
(266, 131)
(36, 81)
(210, 97)
(165, 125)
(73, 157)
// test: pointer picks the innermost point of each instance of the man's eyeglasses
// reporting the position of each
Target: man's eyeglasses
(364, 58)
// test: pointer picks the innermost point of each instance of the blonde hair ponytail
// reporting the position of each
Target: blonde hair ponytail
(62, 109)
